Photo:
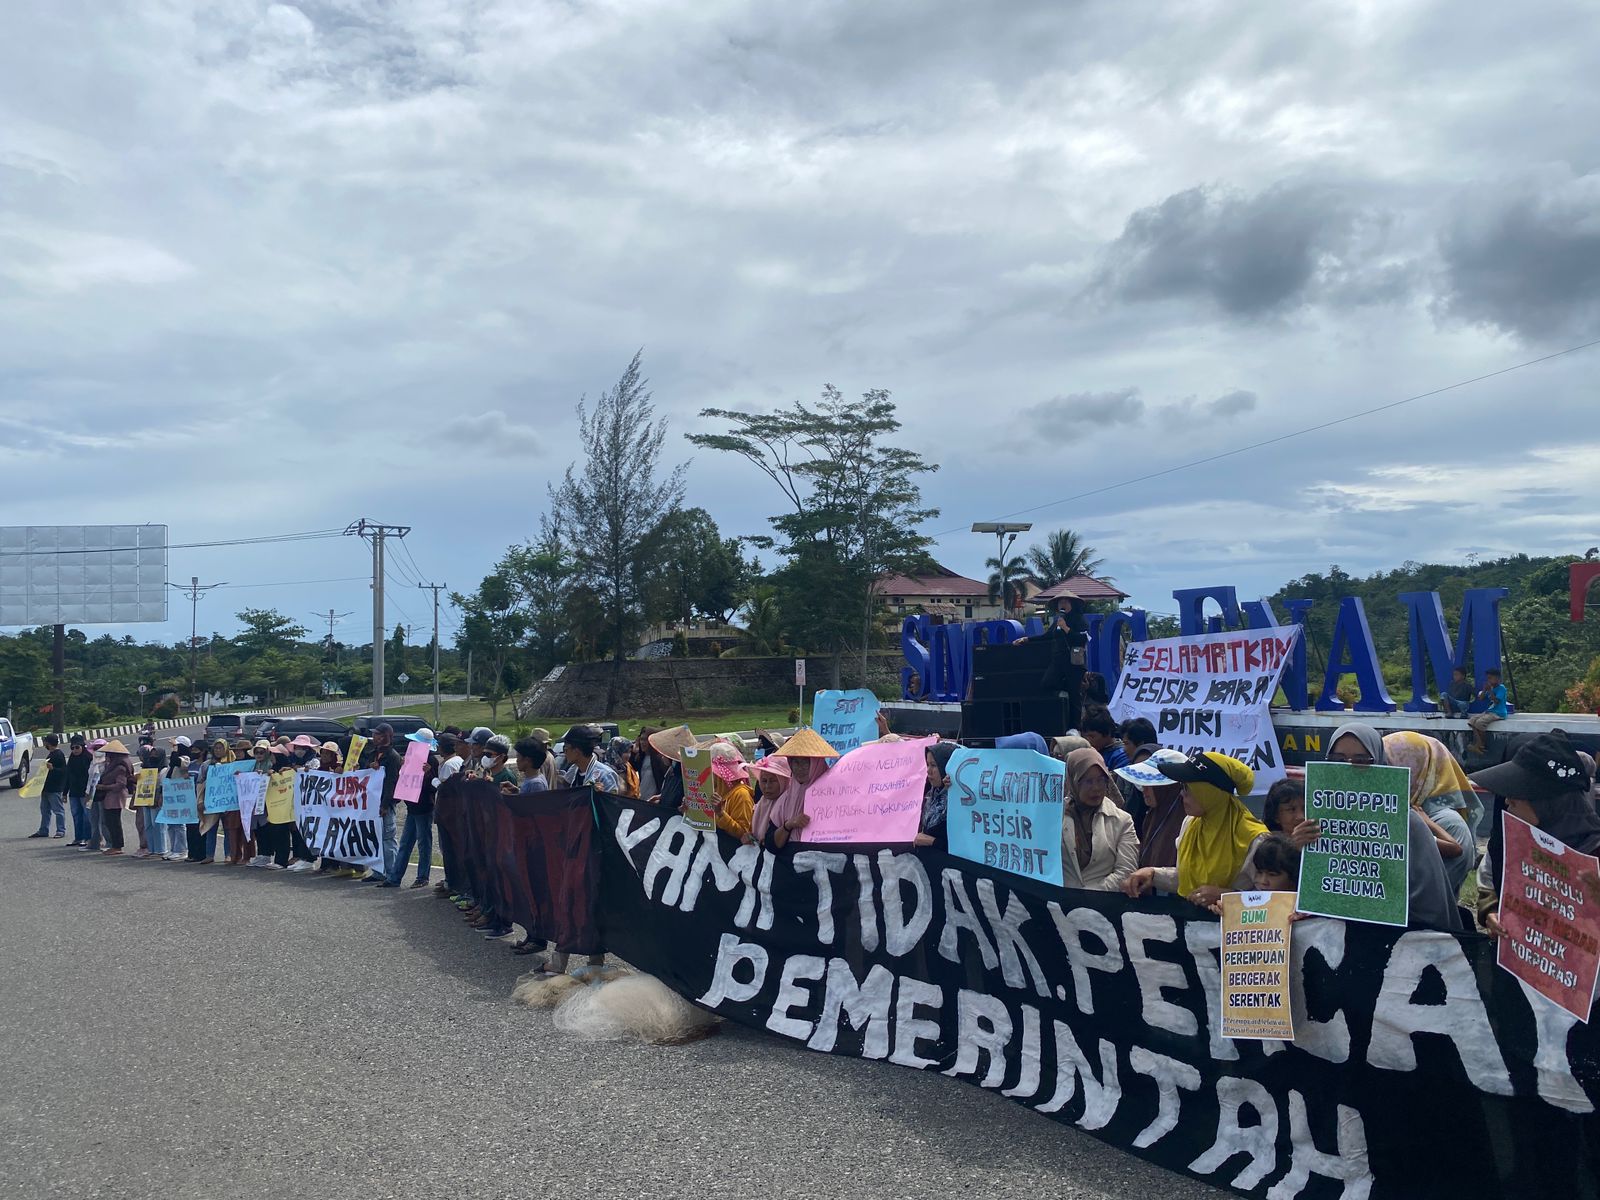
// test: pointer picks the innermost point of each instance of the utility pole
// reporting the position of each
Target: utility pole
(332, 618)
(435, 588)
(194, 591)
(377, 531)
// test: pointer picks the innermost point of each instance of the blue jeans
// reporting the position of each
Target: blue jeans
(80, 819)
(389, 849)
(50, 805)
(97, 821)
(419, 835)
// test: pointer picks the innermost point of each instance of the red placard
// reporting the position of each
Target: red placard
(1550, 917)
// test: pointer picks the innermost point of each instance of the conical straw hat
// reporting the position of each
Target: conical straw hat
(807, 743)
(114, 747)
(672, 742)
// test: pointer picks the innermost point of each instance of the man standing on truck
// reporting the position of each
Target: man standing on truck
(52, 803)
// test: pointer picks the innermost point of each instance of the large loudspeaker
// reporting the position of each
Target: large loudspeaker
(988, 719)
(1009, 672)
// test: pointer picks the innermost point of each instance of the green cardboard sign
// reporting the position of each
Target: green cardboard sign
(1359, 868)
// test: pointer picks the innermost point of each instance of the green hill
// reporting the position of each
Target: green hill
(1553, 665)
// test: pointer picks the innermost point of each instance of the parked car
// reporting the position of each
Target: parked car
(323, 729)
(234, 725)
(402, 724)
(16, 753)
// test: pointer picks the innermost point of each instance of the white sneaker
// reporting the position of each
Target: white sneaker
(176, 856)
(259, 860)
(302, 866)
(269, 865)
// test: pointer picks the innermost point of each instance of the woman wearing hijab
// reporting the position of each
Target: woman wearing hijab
(1444, 796)
(1218, 836)
(770, 777)
(931, 831)
(278, 810)
(1433, 904)
(1161, 804)
(1022, 741)
(778, 817)
(112, 792)
(619, 759)
(1099, 848)
(1545, 785)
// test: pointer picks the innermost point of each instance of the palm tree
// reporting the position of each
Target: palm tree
(1063, 555)
(763, 624)
(1002, 577)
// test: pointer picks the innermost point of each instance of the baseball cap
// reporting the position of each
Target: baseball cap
(1207, 766)
(480, 734)
(181, 740)
(1148, 773)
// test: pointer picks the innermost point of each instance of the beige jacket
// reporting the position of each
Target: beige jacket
(1115, 854)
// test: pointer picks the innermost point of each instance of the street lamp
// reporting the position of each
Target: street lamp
(1006, 532)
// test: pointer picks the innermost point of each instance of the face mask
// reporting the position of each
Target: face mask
(486, 762)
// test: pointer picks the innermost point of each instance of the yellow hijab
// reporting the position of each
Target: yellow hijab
(1434, 772)
(1214, 845)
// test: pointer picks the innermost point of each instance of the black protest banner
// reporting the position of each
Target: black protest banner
(1418, 1069)
(531, 859)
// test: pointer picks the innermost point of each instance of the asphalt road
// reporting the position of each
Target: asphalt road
(210, 1032)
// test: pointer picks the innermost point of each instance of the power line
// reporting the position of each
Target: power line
(1284, 437)
(248, 541)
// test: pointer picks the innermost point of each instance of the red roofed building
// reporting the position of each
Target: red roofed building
(940, 592)
(1084, 587)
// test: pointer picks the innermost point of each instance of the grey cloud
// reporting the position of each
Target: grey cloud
(1249, 255)
(495, 429)
(1080, 413)
(1525, 256)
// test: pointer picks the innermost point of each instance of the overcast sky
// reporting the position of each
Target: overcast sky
(267, 268)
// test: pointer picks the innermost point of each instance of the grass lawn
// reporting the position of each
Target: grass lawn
(467, 713)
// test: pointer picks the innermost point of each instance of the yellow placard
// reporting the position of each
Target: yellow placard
(353, 756)
(34, 788)
(144, 792)
(1255, 965)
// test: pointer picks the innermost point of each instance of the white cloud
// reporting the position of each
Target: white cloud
(371, 239)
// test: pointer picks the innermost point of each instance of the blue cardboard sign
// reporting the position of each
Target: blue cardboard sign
(177, 802)
(1004, 810)
(846, 719)
(221, 795)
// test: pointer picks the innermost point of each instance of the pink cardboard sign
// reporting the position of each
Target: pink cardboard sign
(412, 772)
(1550, 917)
(871, 796)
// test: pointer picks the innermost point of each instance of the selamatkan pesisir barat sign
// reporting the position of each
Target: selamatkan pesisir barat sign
(939, 657)
(1418, 1069)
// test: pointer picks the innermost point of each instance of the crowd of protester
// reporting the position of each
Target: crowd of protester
(1138, 818)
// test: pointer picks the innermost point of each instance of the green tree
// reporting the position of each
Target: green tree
(541, 575)
(1005, 581)
(689, 569)
(1063, 555)
(492, 624)
(614, 500)
(856, 509)
(763, 624)
(24, 678)
(267, 629)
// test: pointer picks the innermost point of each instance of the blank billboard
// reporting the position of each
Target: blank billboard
(82, 574)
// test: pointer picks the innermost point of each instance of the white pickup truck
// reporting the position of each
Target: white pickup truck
(16, 753)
